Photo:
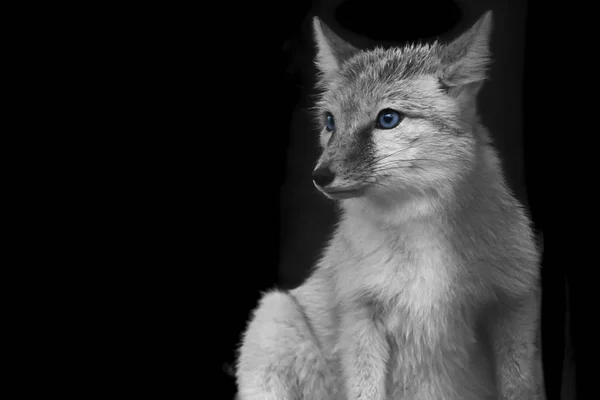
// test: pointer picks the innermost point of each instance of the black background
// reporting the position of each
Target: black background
(273, 223)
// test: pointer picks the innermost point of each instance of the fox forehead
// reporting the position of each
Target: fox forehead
(417, 98)
(378, 78)
(393, 64)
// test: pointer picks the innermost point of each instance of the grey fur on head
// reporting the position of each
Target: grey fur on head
(462, 61)
(434, 87)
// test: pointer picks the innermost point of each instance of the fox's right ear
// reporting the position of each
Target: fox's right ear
(465, 60)
(332, 50)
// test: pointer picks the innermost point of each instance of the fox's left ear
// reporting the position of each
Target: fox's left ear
(464, 62)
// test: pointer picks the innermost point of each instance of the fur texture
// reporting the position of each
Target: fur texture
(428, 288)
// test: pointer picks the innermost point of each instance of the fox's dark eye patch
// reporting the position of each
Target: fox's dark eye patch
(362, 147)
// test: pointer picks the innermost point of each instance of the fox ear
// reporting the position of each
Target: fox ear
(332, 50)
(465, 60)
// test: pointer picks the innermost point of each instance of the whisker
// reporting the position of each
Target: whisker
(376, 160)
(394, 166)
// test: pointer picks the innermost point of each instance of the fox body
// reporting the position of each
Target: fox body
(428, 288)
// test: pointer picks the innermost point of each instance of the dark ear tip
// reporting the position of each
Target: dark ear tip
(316, 22)
(487, 20)
(317, 26)
(321, 29)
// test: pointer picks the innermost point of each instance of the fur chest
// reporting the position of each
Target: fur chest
(402, 275)
(411, 284)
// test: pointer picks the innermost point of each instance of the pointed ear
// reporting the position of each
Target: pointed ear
(465, 60)
(332, 50)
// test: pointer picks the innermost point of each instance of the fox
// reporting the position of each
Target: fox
(428, 289)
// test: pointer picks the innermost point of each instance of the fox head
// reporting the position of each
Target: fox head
(397, 121)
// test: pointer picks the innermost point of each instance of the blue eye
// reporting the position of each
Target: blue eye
(329, 124)
(388, 119)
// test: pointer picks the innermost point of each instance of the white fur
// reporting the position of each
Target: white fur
(428, 287)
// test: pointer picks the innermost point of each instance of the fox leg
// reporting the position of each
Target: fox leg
(514, 338)
(280, 358)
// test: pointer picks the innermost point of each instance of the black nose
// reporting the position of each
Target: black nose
(323, 176)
